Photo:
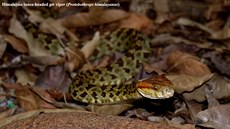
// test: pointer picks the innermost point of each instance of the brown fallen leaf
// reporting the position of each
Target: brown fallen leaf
(36, 50)
(184, 83)
(47, 25)
(25, 77)
(217, 117)
(193, 107)
(74, 58)
(173, 123)
(3, 45)
(41, 61)
(180, 126)
(52, 26)
(184, 63)
(55, 80)
(86, 19)
(213, 10)
(219, 86)
(198, 94)
(226, 3)
(212, 101)
(221, 60)
(182, 110)
(27, 99)
(90, 46)
(188, 22)
(223, 33)
(7, 113)
(48, 101)
(216, 24)
(16, 43)
(34, 45)
(163, 39)
(140, 6)
(137, 22)
(34, 15)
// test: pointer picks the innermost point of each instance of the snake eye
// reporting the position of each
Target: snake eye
(158, 87)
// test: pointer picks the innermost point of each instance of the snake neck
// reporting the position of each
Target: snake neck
(107, 84)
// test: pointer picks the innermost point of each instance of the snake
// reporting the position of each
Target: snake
(116, 82)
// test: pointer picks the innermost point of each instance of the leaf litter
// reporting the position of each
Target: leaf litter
(190, 47)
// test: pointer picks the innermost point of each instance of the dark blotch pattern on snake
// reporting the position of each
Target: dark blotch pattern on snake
(113, 83)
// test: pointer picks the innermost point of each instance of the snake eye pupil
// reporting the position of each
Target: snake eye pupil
(114, 82)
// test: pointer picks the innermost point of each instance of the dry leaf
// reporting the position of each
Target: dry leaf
(90, 46)
(194, 108)
(184, 63)
(141, 6)
(48, 25)
(198, 94)
(163, 39)
(14, 63)
(188, 22)
(217, 117)
(34, 46)
(7, 113)
(41, 60)
(184, 83)
(16, 43)
(25, 77)
(34, 16)
(137, 22)
(182, 110)
(226, 3)
(219, 86)
(2, 97)
(220, 60)
(85, 19)
(161, 6)
(3, 45)
(47, 100)
(54, 78)
(28, 100)
(52, 26)
(223, 33)
(216, 24)
(75, 58)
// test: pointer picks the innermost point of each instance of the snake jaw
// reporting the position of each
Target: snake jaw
(149, 93)
(111, 84)
(158, 87)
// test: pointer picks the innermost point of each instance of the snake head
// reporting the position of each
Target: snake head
(157, 87)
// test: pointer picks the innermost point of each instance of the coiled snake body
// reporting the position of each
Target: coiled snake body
(113, 83)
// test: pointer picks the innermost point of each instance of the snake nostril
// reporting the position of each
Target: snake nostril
(112, 83)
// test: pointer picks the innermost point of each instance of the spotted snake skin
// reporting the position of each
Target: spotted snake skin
(115, 82)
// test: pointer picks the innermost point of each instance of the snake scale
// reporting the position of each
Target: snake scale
(114, 83)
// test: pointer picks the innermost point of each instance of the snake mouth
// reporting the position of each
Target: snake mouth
(164, 93)
(158, 87)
